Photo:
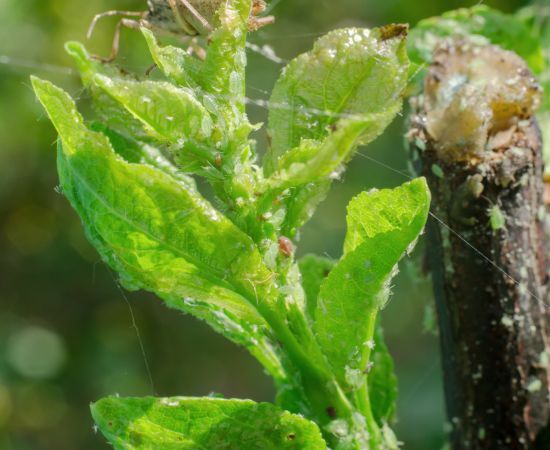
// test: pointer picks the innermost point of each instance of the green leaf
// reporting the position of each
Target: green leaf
(301, 204)
(479, 21)
(382, 382)
(111, 112)
(159, 113)
(327, 102)
(180, 423)
(173, 117)
(177, 64)
(155, 112)
(314, 269)
(351, 76)
(326, 158)
(169, 114)
(159, 234)
(382, 227)
(138, 152)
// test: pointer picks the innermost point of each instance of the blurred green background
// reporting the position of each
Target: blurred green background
(67, 333)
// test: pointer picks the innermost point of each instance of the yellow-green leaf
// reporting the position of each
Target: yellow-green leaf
(382, 227)
(181, 423)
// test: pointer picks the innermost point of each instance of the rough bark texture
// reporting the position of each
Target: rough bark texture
(486, 255)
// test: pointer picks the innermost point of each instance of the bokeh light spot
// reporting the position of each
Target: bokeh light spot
(36, 352)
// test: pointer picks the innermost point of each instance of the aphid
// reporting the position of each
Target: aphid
(286, 247)
(218, 161)
(496, 218)
(178, 17)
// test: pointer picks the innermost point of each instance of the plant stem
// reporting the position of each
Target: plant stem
(485, 249)
(361, 395)
(321, 388)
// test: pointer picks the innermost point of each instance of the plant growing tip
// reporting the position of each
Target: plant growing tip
(130, 177)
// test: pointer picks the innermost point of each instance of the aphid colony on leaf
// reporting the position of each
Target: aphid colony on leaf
(177, 17)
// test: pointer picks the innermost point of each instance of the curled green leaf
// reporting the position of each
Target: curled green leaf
(177, 64)
(170, 114)
(110, 111)
(326, 103)
(382, 227)
(311, 161)
(349, 75)
(134, 151)
(159, 234)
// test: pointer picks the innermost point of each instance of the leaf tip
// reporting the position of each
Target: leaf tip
(76, 50)
(104, 410)
(421, 186)
(151, 42)
(149, 35)
(96, 412)
(37, 83)
(41, 87)
(420, 181)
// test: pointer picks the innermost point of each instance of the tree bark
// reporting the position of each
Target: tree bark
(490, 275)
